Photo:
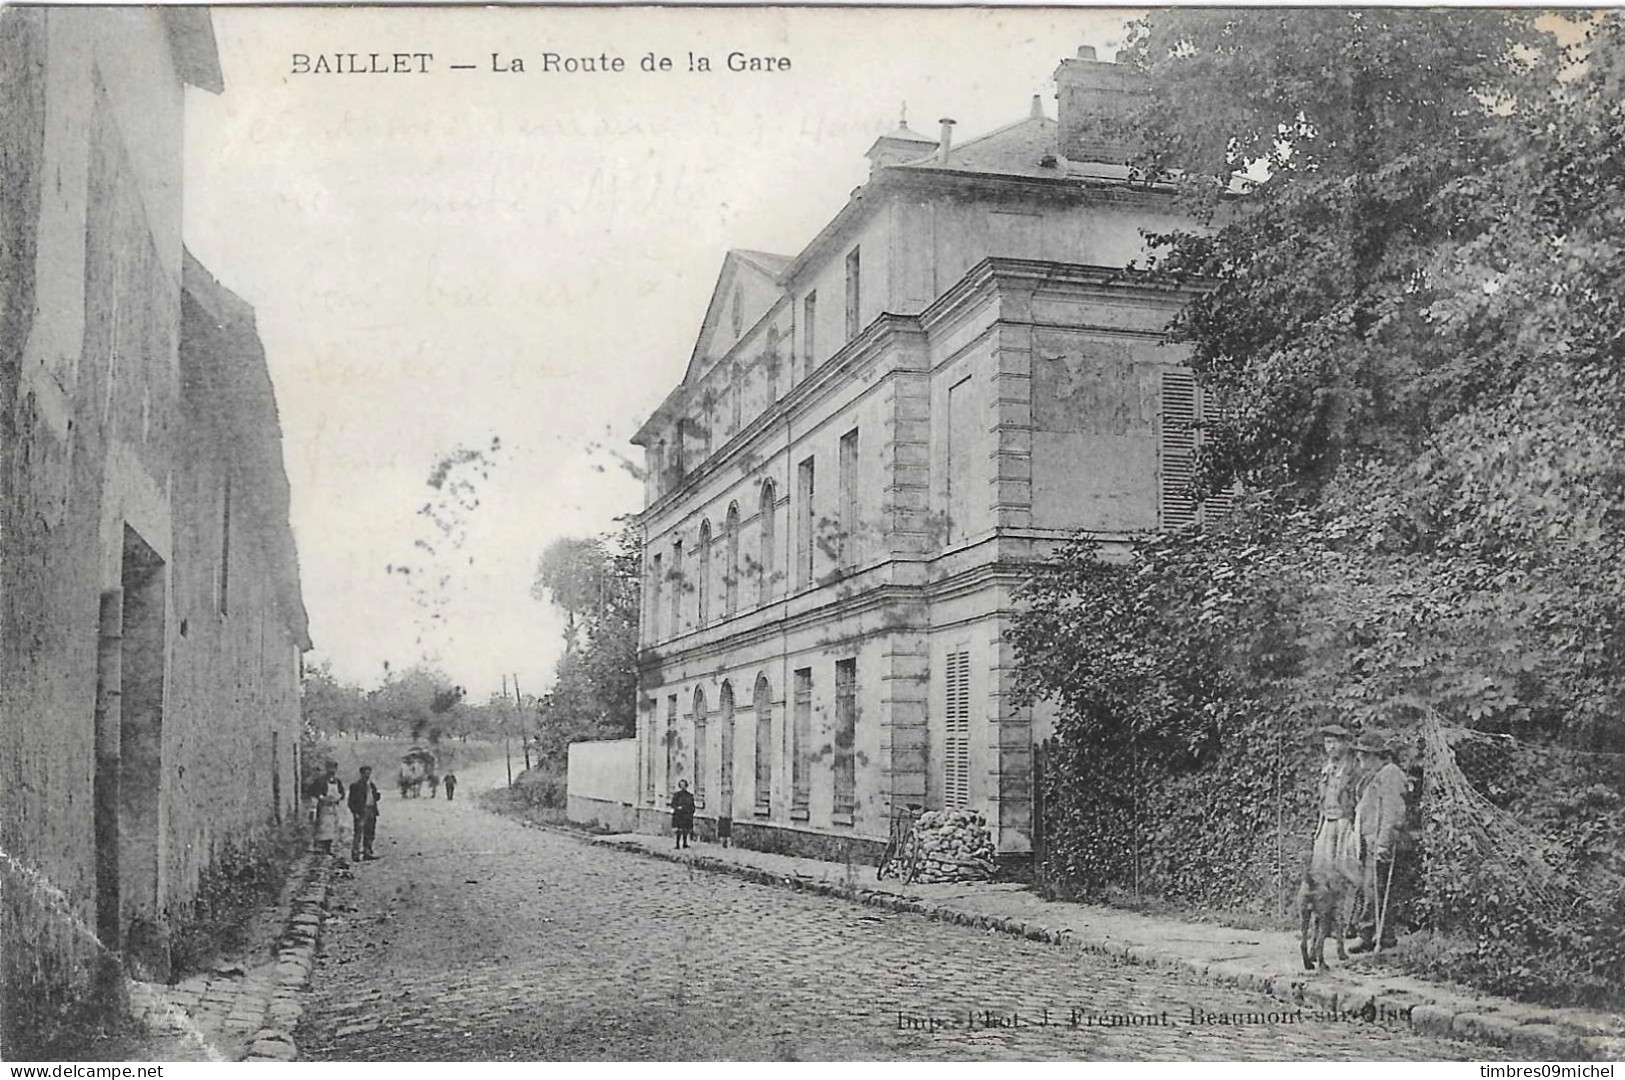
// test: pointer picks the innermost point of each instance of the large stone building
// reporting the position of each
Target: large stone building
(871, 440)
(151, 624)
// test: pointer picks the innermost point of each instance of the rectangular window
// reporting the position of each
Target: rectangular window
(677, 589)
(806, 522)
(671, 744)
(809, 320)
(801, 750)
(770, 364)
(854, 294)
(956, 734)
(656, 583)
(736, 398)
(847, 479)
(961, 461)
(651, 742)
(846, 733)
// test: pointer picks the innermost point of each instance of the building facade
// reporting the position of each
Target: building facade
(151, 622)
(873, 440)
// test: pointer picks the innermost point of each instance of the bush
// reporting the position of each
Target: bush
(541, 788)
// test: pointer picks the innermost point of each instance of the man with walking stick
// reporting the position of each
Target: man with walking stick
(1379, 824)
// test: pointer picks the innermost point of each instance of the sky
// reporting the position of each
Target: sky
(442, 260)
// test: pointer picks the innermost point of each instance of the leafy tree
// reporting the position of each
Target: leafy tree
(1414, 327)
(572, 574)
(412, 702)
(1373, 127)
(330, 707)
(598, 584)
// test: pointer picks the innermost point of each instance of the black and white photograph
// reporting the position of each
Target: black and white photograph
(614, 533)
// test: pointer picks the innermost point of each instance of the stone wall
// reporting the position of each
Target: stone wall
(604, 770)
(145, 723)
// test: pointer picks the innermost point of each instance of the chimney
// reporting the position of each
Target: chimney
(1037, 111)
(946, 143)
(1088, 92)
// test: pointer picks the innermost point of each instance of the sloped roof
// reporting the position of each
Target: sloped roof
(765, 261)
(764, 264)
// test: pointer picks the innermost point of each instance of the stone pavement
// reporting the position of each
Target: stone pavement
(1260, 960)
(242, 1010)
(476, 938)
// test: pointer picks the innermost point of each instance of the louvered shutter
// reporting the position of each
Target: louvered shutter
(1176, 450)
(956, 748)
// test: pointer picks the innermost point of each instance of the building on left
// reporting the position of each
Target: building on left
(151, 622)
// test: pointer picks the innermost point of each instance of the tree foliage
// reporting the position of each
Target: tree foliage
(597, 583)
(1413, 325)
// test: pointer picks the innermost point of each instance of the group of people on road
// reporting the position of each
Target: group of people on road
(1361, 836)
(361, 798)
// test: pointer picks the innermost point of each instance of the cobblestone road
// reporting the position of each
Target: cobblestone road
(474, 938)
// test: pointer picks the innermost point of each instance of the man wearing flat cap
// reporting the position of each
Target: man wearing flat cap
(1336, 850)
(1379, 824)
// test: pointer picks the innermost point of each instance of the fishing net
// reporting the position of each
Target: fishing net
(1506, 827)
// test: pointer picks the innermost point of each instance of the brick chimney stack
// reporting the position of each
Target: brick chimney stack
(1088, 91)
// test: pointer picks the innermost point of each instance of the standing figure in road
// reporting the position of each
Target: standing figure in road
(682, 813)
(1336, 853)
(1379, 825)
(434, 785)
(328, 791)
(450, 780)
(364, 809)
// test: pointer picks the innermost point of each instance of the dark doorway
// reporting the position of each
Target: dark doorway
(141, 759)
(105, 785)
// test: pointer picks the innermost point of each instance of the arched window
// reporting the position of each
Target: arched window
(657, 467)
(730, 583)
(763, 708)
(725, 759)
(765, 571)
(699, 747)
(703, 586)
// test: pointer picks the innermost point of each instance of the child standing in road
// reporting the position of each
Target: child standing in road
(682, 813)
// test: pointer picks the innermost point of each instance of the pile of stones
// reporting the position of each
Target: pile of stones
(953, 845)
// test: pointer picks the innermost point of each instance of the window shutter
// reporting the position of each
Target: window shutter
(1176, 450)
(956, 743)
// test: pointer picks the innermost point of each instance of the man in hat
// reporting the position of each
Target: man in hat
(1336, 850)
(363, 803)
(1379, 820)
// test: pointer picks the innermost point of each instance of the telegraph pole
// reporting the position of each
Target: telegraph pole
(506, 749)
(519, 703)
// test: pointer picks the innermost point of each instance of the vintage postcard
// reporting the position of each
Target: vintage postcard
(811, 533)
